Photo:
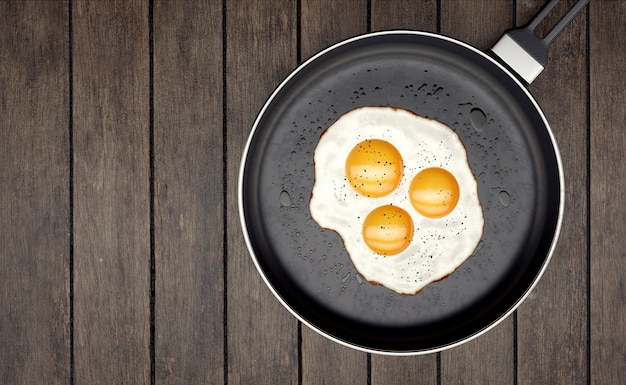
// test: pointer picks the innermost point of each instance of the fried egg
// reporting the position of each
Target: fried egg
(399, 191)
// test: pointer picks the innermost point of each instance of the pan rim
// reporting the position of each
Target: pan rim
(244, 225)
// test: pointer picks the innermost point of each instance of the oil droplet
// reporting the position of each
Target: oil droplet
(479, 120)
(505, 198)
(285, 198)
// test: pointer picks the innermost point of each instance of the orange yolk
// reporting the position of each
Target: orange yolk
(434, 192)
(374, 168)
(388, 230)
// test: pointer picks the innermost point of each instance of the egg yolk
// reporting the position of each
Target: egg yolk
(374, 168)
(434, 192)
(388, 230)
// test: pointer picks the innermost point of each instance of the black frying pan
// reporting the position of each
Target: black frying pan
(511, 151)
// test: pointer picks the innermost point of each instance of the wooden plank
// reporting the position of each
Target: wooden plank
(261, 50)
(404, 14)
(479, 24)
(34, 193)
(608, 183)
(414, 15)
(188, 201)
(327, 362)
(390, 370)
(324, 23)
(488, 359)
(111, 192)
(558, 303)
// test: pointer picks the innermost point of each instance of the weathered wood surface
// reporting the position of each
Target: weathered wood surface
(261, 49)
(111, 184)
(121, 256)
(607, 200)
(188, 193)
(554, 311)
(35, 263)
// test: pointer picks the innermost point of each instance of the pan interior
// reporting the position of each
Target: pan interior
(511, 155)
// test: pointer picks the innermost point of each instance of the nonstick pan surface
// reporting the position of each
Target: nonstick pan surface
(511, 152)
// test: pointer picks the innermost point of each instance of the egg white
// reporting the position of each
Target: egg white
(440, 245)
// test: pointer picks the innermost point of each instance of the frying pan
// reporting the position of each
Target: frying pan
(511, 151)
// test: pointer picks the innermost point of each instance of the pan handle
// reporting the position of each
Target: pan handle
(523, 51)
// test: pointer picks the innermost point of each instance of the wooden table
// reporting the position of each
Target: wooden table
(121, 254)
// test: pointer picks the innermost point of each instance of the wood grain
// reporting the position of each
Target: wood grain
(324, 361)
(260, 51)
(479, 24)
(34, 193)
(341, 20)
(417, 370)
(474, 362)
(419, 15)
(327, 362)
(607, 199)
(422, 16)
(189, 191)
(111, 192)
(558, 303)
